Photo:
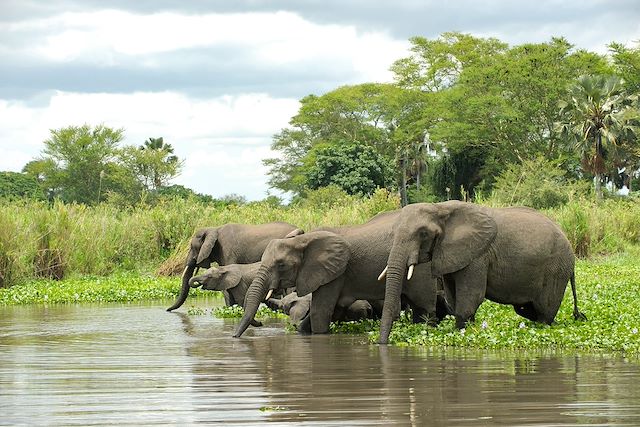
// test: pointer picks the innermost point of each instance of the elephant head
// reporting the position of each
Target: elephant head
(449, 235)
(201, 254)
(305, 262)
(296, 307)
(218, 279)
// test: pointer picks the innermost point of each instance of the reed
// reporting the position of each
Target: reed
(58, 241)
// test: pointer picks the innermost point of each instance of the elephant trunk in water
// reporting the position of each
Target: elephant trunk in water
(184, 290)
(255, 294)
(395, 273)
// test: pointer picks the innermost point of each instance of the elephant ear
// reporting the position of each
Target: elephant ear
(324, 259)
(467, 233)
(230, 279)
(210, 239)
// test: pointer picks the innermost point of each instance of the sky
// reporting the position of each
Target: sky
(218, 78)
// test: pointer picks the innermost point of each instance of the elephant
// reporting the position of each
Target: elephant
(228, 244)
(513, 256)
(336, 269)
(298, 308)
(234, 279)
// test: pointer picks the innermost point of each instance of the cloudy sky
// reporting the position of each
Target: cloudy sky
(217, 78)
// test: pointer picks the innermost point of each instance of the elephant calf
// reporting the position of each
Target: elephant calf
(232, 279)
(298, 308)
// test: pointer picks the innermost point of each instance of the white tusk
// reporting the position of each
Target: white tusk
(185, 271)
(383, 274)
(410, 273)
(268, 294)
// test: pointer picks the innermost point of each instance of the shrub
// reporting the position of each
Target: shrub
(537, 183)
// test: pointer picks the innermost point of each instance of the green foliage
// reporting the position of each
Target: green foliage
(355, 168)
(626, 60)
(537, 183)
(361, 115)
(124, 287)
(601, 122)
(153, 163)
(606, 293)
(14, 185)
(236, 311)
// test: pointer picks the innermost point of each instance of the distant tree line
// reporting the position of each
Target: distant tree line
(465, 116)
(463, 111)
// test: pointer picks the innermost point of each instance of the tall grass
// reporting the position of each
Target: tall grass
(38, 240)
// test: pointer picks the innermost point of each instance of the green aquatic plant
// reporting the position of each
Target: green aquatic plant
(235, 311)
(122, 287)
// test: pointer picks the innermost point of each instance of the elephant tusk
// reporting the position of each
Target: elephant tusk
(268, 294)
(383, 274)
(410, 273)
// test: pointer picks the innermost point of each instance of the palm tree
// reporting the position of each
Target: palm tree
(157, 173)
(598, 117)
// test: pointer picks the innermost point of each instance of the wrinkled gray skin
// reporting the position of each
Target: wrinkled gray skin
(298, 308)
(338, 269)
(228, 244)
(233, 279)
(511, 256)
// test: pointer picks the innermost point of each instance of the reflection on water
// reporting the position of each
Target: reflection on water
(137, 364)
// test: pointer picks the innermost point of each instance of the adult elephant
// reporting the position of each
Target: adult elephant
(511, 256)
(228, 244)
(337, 269)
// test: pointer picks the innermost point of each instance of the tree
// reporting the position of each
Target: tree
(490, 104)
(14, 185)
(626, 61)
(156, 164)
(80, 154)
(357, 169)
(364, 115)
(598, 119)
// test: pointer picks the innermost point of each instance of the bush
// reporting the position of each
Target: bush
(537, 183)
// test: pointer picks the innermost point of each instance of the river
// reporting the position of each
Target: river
(136, 364)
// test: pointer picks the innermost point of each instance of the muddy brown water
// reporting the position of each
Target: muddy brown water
(139, 365)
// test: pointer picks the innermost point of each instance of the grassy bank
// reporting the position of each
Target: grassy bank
(38, 240)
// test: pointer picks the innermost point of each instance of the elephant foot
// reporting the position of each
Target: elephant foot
(579, 316)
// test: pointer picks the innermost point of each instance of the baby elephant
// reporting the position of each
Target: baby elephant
(298, 308)
(233, 280)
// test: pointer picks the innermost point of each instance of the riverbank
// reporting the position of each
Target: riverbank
(608, 293)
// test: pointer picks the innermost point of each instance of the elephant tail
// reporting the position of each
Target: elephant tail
(576, 313)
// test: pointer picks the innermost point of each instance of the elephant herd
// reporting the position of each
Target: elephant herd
(434, 258)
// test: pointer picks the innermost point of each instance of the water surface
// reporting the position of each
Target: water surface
(139, 365)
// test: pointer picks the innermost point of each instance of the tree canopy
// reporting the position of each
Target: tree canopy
(460, 110)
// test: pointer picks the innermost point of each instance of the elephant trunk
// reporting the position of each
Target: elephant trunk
(391, 310)
(255, 295)
(184, 290)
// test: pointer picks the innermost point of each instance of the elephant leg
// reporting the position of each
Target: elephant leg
(228, 299)
(323, 303)
(470, 289)
(549, 299)
(527, 311)
(305, 326)
(420, 294)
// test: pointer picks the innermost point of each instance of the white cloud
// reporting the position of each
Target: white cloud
(273, 39)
